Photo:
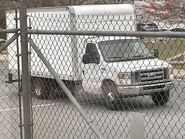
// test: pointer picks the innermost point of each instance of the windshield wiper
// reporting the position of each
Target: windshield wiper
(139, 56)
(143, 57)
(114, 57)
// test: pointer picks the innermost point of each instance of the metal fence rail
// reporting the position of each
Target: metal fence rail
(84, 76)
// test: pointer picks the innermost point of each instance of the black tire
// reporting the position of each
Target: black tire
(110, 93)
(40, 88)
(161, 98)
(74, 86)
(71, 88)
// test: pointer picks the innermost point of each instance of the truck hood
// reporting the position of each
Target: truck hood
(135, 65)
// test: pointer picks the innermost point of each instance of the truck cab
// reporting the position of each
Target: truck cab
(125, 67)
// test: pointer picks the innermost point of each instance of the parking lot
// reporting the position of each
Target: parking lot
(53, 118)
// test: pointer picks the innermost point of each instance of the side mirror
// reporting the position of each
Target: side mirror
(156, 53)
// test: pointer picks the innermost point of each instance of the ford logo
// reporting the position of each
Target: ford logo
(151, 74)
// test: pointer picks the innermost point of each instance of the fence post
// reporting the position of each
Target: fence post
(26, 93)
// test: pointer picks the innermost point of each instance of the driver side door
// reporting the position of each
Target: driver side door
(91, 70)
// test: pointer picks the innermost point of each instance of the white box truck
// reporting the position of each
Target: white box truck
(114, 66)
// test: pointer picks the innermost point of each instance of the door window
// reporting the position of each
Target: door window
(91, 54)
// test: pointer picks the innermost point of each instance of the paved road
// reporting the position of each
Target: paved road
(58, 118)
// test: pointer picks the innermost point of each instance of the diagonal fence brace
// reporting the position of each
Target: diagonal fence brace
(63, 86)
(7, 43)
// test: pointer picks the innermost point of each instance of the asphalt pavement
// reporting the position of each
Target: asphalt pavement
(59, 118)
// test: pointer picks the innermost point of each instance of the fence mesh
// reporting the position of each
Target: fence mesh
(10, 117)
(111, 77)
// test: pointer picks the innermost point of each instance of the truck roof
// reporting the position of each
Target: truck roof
(108, 9)
(99, 39)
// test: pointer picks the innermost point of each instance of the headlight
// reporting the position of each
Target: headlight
(171, 77)
(124, 78)
(170, 71)
(168, 74)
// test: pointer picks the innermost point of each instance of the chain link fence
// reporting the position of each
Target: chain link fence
(91, 71)
(10, 102)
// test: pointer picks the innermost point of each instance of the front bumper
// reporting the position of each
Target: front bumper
(136, 90)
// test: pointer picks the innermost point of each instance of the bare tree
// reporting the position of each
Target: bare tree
(40, 3)
(49, 3)
(183, 5)
(118, 1)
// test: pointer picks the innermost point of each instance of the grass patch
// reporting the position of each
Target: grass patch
(167, 47)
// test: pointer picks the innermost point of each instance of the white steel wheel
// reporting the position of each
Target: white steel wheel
(110, 94)
(40, 88)
(38, 91)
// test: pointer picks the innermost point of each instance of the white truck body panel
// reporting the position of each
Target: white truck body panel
(59, 50)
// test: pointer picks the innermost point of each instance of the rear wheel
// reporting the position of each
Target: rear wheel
(161, 98)
(110, 93)
(73, 86)
(41, 88)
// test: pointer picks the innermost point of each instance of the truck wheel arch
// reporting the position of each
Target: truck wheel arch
(110, 93)
(105, 81)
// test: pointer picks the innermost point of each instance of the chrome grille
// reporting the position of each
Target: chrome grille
(150, 76)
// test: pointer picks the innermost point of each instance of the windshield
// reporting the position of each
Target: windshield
(121, 50)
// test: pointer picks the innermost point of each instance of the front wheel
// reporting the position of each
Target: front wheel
(161, 98)
(110, 93)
